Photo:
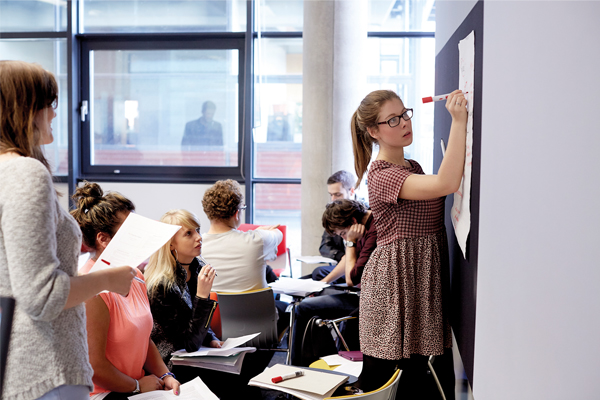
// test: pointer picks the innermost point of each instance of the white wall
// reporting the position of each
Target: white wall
(152, 200)
(538, 303)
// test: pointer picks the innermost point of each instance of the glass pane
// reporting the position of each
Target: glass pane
(407, 66)
(401, 15)
(280, 204)
(278, 109)
(164, 16)
(280, 15)
(52, 55)
(33, 15)
(165, 107)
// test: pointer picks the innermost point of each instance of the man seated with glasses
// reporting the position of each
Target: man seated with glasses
(238, 257)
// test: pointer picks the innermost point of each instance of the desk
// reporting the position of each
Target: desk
(298, 390)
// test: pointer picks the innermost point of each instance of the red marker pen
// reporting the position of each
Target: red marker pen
(438, 98)
(296, 374)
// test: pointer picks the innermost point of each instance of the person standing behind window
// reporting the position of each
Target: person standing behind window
(204, 131)
(39, 250)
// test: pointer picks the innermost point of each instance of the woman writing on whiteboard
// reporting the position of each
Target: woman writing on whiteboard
(403, 318)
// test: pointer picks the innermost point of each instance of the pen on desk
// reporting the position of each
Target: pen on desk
(438, 98)
(204, 261)
(296, 374)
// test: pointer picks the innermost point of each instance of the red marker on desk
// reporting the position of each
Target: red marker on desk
(438, 98)
(281, 378)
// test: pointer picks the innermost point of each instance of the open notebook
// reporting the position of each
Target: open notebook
(314, 385)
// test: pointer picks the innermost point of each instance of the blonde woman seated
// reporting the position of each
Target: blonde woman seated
(179, 287)
(124, 358)
(179, 290)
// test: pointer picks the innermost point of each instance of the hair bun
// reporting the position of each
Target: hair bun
(88, 195)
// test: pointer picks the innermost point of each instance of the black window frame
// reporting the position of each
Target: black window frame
(160, 174)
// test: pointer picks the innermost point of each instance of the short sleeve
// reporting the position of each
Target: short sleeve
(385, 183)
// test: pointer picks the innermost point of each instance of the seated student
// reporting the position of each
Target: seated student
(124, 358)
(179, 290)
(340, 186)
(239, 257)
(351, 220)
(179, 286)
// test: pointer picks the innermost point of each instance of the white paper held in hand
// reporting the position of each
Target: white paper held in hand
(137, 239)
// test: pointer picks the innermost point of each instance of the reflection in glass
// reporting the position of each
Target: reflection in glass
(52, 55)
(280, 204)
(164, 16)
(33, 15)
(407, 66)
(165, 107)
(278, 112)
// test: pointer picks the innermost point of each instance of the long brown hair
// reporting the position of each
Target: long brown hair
(25, 89)
(365, 117)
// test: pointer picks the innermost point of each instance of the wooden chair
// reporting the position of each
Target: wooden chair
(386, 392)
(244, 313)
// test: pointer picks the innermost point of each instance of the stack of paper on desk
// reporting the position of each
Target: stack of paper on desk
(297, 287)
(313, 385)
(228, 358)
(230, 364)
(193, 390)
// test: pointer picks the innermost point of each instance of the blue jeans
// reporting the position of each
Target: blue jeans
(326, 307)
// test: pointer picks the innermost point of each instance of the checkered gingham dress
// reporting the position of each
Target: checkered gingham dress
(401, 298)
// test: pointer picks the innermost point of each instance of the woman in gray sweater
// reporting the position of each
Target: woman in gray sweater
(39, 249)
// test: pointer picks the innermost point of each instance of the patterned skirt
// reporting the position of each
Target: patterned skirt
(401, 307)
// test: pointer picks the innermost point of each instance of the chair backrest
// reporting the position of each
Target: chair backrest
(7, 307)
(386, 392)
(215, 322)
(250, 312)
(281, 249)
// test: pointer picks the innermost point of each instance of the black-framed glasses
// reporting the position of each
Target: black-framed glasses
(395, 121)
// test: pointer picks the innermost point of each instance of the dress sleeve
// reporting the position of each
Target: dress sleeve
(385, 184)
(29, 225)
(271, 240)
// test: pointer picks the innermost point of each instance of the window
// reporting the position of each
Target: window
(407, 66)
(169, 104)
(33, 16)
(129, 16)
(35, 31)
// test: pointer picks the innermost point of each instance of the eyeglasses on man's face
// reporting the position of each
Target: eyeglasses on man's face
(395, 121)
(242, 207)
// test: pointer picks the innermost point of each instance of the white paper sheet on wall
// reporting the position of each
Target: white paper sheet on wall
(461, 212)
